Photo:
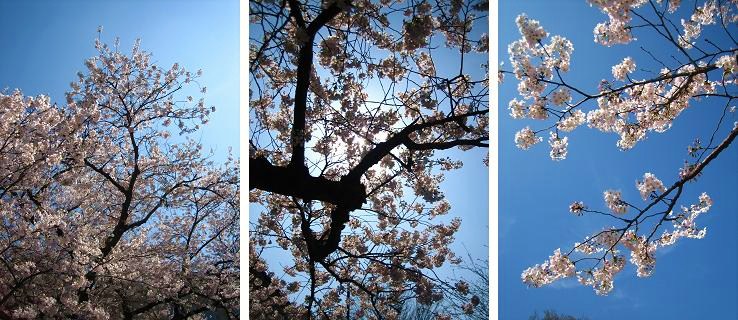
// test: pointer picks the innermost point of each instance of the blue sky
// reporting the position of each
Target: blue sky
(45, 43)
(695, 279)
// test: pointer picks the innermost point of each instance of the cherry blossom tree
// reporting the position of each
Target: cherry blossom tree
(105, 213)
(633, 104)
(350, 112)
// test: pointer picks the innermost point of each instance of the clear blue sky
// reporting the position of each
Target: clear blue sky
(695, 279)
(45, 43)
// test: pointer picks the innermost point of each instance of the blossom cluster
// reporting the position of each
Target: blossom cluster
(616, 30)
(702, 16)
(526, 138)
(554, 57)
(650, 185)
(557, 267)
(622, 69)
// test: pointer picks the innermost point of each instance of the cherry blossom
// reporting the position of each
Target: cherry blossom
(526, 138)
(650, 185)
(622, 69)
(614, 201)
(558, 146)
(616, 30)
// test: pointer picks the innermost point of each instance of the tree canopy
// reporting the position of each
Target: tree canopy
(351, 104)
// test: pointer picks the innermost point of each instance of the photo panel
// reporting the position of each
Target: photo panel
(368, 136)
(119, 178)
(617, 180)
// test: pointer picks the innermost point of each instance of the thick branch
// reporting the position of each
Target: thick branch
(304, 70)
(479, 142)
(292, 182)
